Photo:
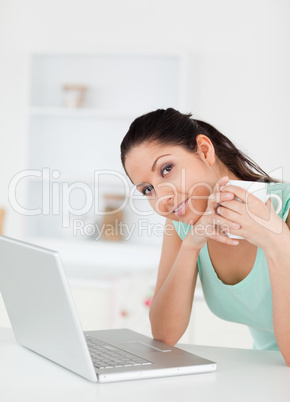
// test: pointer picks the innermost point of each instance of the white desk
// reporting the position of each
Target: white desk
(242, 375)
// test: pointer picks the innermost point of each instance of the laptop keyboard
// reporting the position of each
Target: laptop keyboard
(106, 356)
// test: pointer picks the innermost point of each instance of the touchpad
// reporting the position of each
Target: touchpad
(137, 346)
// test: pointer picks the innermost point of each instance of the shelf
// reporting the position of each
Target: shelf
(82, 112)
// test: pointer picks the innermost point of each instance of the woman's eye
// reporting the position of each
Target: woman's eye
(166, 169)
(146, 190)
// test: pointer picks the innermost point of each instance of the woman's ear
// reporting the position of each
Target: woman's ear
(206, 149)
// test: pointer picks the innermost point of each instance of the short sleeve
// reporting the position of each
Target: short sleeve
(283, 191)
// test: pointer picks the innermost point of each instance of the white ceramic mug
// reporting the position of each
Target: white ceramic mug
(259, 190)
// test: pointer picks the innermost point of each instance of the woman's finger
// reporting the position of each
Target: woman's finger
(224, 223)
(223, 239)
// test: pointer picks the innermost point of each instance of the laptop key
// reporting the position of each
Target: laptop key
(106, 356)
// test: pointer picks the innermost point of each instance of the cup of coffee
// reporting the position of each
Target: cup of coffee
(259, 190)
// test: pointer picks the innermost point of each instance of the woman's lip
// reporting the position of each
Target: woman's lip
(182, 209)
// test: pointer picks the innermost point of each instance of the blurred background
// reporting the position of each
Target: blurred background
(73, 75)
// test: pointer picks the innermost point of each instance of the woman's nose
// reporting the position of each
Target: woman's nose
(165, 195)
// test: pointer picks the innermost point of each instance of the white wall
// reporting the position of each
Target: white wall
(242, 80)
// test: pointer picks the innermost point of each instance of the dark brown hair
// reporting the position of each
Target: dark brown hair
(170, 127)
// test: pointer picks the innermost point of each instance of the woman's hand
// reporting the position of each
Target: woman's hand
(259, 223)
(211, 225)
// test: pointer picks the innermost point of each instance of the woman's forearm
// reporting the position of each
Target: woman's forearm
(171, 307)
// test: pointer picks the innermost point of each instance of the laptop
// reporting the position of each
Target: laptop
(44, 319)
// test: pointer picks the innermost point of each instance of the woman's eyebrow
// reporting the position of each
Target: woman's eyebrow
(153, 168)
(154, 164)
(140, 184)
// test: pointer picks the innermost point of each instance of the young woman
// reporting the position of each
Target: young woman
(182, 165)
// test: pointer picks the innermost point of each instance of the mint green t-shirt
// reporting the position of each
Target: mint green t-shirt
(248, 302)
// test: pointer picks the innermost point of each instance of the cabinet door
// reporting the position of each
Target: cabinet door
(132, 297)
(93, 305)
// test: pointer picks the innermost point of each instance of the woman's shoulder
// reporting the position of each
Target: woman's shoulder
(278, 185)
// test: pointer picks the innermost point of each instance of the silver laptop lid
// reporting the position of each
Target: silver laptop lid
(46, 324)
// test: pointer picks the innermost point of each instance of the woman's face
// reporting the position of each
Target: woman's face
(175, 181)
